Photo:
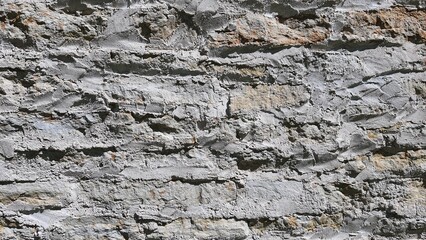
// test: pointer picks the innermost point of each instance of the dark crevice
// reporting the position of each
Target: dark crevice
(202, 125)
(145, 117)
(97, 151)
(28, 42)
(274, 224)
(363, 117)
(29, 154)
(103, 115)
(64, 58)
(196, 181)
(124, 234)
(351, 46)
(141, 220)
(20, 75)
(160, 127)
(349, 190)
(252, 165)
(114, 106)
(48, 154)
(395, 71)
(52, 154)
(40, 209)
(392, 147)
(390, 150)
(301, 16)
(170, 151)
(224, 52)
(58, 155)
(416, 39)
(228, 107)
(144, 69)
(282, 162)
(236, 77)
(392, 214)
(7, 182)
(86, 99)
(188, 20)
(352, 174)
(145, 30)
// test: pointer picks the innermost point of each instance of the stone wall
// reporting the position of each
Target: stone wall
(212, 119)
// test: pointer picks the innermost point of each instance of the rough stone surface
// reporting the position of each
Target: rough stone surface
(212, 119)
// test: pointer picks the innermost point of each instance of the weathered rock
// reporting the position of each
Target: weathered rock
(212, 119)
(6, 148)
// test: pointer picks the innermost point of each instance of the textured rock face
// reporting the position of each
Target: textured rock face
(212, 119)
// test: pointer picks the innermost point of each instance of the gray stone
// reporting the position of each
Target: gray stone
(6, 148)
(212, 119)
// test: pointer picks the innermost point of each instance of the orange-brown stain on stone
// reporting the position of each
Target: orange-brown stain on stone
(256, 29)
(30, 21)
(152, 194)
(401, 161)
(292, 222)
(392, 23)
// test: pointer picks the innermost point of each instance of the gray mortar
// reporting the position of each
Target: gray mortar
(212, 119)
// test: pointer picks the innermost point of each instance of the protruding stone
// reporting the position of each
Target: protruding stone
(7, 148)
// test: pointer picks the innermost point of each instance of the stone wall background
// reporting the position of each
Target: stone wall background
(212, 119)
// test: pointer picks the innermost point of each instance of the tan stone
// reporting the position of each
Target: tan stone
(394, 22)
(256, 29)
(400, 161)
(417, 192)
(204, 229)
(386, 163)
(264, 97)
(292, 222)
